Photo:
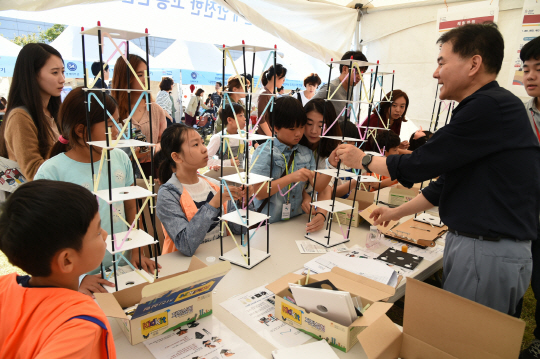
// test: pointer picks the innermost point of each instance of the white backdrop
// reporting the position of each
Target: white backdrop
(404, 40)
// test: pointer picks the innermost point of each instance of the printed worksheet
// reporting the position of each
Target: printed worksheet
(256, 309)
(207, 338)
(307, 246)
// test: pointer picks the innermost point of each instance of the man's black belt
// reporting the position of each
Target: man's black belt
(484, 238)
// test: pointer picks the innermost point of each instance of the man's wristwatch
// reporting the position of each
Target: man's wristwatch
(366, 161)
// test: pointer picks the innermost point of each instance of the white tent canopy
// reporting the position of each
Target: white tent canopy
(189, 55)
(8, 48)
(69, 44)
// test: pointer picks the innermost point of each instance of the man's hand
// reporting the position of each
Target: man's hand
(383, 215)
(350, 156)
(93, 283)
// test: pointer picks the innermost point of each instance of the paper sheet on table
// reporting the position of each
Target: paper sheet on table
(307, 246)
(368, 268)
(316, 350)
(256, 309)
(359, 252)
(209, 339)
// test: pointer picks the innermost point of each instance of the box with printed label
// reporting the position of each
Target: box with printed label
(168, 304)
(363, 200)
(399, 196)
(337, 335)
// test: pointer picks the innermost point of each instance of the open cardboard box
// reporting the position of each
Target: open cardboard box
(363, 200)
(337, 335)
(439, 324)
(410, 231)
(167, 304)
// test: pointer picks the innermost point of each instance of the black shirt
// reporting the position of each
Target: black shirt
(488, 160)
(216, 99)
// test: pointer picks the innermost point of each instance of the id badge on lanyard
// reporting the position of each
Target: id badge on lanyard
(286, 210)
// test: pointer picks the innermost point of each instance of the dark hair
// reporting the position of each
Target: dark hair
(268, 75)
(96, 68)
(289, 113)
(419, 142)
(385, 106)
(227, 111)
(25, 91)
(166, 84)
(388, 139)
(356, 55)
(3, 101)
(34, 227)
(349, 129)
(312, 78)
(119, 81)
(219, 83)
(530, 50)
(324, 146)
(171, 141)
(73, 113)
(477, 39)
(199, 92)
(234, 82)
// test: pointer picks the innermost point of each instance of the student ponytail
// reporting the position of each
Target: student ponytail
(73, 113)
(268, 75)
(171, 141)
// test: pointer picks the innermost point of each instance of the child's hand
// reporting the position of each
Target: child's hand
(236, 192)
(332, 159)
(302, 175)
(404, 145)
(92, 283)
(235, 160)
(306, 204)
(215, 168)
(317, 223)
(147, 264)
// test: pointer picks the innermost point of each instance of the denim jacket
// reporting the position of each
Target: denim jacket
(186, 235)
(303, 158)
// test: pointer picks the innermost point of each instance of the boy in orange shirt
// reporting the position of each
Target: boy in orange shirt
(51, 230)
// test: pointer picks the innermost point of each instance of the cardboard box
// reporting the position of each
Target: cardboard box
(410, 231)
(337, 335)
(399, 196)
(167, 304)
(363, 200)
(439, 324)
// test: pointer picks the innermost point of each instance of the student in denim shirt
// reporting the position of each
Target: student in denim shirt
(289, 121)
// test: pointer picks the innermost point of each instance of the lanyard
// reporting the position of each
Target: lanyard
(535, 126)
(287, 173)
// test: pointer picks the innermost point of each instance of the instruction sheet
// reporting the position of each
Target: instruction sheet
(256, 309)
(308, 246)
(207, 338)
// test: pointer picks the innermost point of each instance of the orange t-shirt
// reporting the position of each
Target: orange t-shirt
(37, 323)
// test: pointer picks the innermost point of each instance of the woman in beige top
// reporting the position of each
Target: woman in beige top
(140, 118)
(30, 127)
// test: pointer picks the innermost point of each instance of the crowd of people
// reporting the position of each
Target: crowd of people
(493, 219)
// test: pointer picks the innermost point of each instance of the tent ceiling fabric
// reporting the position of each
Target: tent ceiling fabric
(40, 5)
(320, 30)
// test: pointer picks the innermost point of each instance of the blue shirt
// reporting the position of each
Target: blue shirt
(63, 168)
(303, 158)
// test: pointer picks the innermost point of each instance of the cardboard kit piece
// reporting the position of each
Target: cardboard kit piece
(363, 200)
(167, 304)
(442, 325)
(410, 231)
(337, 335)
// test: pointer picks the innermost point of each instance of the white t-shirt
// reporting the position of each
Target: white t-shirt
(304, 98)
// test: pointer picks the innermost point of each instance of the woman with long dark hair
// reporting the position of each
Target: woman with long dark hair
(30, 127)
(140, 118)
(267, 80)
(392, 112)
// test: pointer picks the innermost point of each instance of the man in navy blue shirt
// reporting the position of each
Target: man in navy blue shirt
(487, 161)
